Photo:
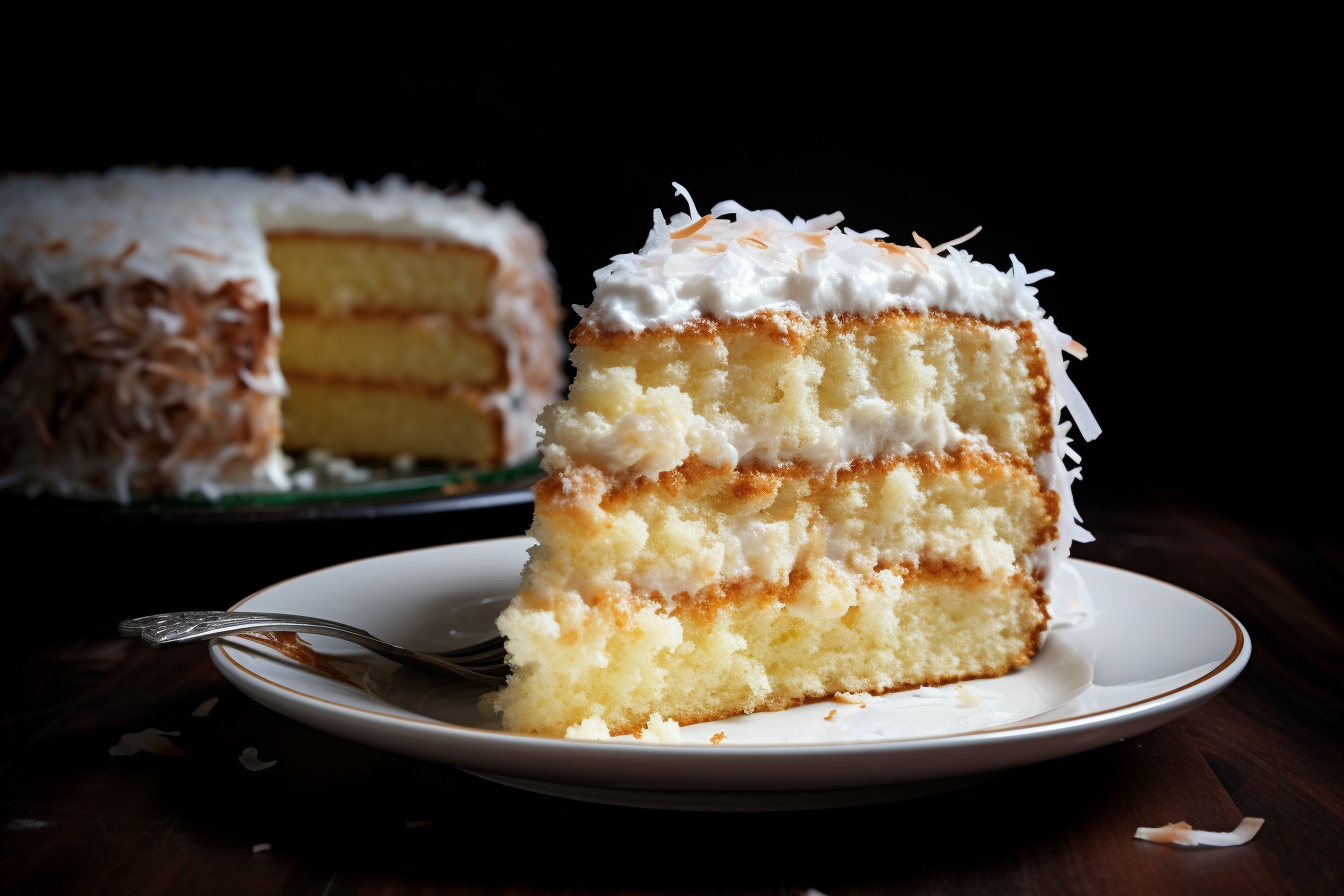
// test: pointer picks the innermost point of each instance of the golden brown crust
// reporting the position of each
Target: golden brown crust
(706, 604)
(751, 480)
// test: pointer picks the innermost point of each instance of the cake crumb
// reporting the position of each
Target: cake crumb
(591, 728)
(845, 697)
(830, 716)
(1181, 834)
(968, 696)
(718, 738)
(660, 731)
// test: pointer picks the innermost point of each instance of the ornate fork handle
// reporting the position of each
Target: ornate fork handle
(172, 629)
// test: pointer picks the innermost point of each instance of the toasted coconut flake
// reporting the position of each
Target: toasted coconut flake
(173, 372)
(690, 229)
(43, 432)
(261, 847)
(941, 247)
(126, 253)
(1181, 834)
(1077, 349)
(713, 248)
(921, 242)
(252, 763)
(813, 239)
(151, 740)
(744, 240)
(203, 710)
(257, 384)
(199, 253)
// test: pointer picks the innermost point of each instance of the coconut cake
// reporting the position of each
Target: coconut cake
(166, 332)
(796, 461)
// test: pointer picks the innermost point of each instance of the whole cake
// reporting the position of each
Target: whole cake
(143, 349)
(796, 461)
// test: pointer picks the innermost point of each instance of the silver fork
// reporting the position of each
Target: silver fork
(483, 662)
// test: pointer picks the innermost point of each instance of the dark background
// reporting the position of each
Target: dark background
(1177, 173)
(1167, 174)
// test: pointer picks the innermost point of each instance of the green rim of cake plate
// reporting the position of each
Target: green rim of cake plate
(385, 485)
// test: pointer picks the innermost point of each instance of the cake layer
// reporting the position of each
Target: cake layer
(337, 273)
(361, 420)
(695, 531)
(625, 657)
(429, 349)
(777, 388)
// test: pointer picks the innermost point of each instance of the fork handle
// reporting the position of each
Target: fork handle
(173, 629)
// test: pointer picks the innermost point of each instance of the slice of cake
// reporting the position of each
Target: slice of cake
(144, 342)
(796, 461)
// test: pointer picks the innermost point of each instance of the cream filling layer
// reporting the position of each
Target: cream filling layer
(658, 429)
(684, 537)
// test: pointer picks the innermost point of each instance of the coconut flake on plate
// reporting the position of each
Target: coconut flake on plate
(1181, 834)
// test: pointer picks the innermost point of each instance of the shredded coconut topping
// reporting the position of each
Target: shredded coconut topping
(713, 266)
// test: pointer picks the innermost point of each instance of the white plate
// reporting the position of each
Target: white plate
(1150, 653)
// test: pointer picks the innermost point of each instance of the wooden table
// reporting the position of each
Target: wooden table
(344, 819)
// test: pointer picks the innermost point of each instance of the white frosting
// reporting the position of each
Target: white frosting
(201, 230)
(763, 261)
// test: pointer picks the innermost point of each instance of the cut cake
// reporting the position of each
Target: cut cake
(143, 346)
(796, 461)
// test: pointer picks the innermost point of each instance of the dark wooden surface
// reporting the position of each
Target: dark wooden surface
(75, 820)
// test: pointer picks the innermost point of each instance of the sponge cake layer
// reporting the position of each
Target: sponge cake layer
(336, 273)
(697, 531)
(624, 656)
(363, 420)
(429, 349)
(778, 388)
